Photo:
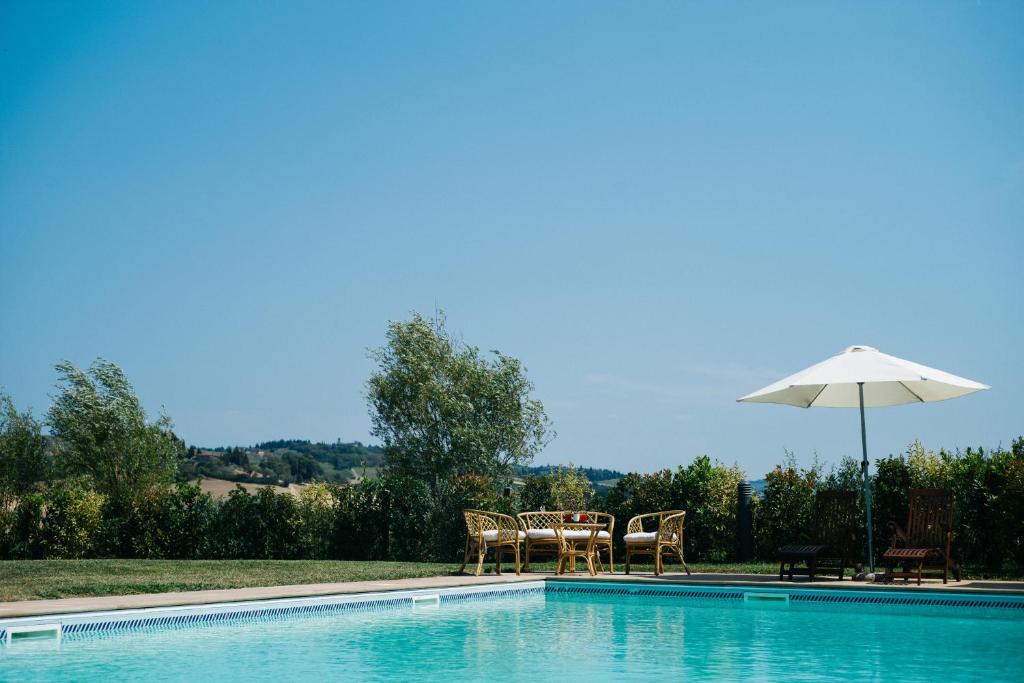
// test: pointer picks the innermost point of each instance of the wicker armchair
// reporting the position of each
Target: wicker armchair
(541, 537)
(487, 530)
(665, 539)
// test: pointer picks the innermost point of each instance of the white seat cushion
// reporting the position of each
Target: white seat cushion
(646, 538)
(541, 534)
(492, 535)
(570, 534)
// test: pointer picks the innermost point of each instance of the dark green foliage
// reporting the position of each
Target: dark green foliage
(536, 493)
(890, 495)
(785, 513)
(261, 526)
(361, 524)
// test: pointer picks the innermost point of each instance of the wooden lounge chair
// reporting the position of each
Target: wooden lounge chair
(666, 538)
(541, 537)
(487, 530)
(927, 538)
(831, 545)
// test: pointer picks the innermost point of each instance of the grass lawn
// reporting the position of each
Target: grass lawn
(45, 579)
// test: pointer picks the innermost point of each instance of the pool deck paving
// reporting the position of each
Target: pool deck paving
(27, 608)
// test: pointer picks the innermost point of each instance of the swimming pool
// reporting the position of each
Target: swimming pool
(542, 631)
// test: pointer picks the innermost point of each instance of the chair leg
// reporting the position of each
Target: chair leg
(480, 551)
(611, 560)
(498, 552)
(517, 559)
(526, 561)
(686, 567)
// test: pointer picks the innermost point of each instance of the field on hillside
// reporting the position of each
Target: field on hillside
(219, 488)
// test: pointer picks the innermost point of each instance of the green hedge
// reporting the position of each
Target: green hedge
(396, 519)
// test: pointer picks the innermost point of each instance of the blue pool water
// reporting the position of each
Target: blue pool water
(568, 636)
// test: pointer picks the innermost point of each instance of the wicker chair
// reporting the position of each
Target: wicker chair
(665, 539)
(928, 537)
(541, 537)
(487, 530)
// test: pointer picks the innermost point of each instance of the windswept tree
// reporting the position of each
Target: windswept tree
(441, 409)
(105, 435)
(23, 458)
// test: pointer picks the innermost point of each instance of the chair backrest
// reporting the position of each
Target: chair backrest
(479, 521)
(671, 528)
(541, 520)
(548, 519)
(649, 522)
(929, 518)
(835, 518)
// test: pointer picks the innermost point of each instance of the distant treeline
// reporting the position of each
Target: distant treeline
(594, 474)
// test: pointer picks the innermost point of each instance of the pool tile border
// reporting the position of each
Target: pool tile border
(90, 623)
(83, 624)
(883, 597)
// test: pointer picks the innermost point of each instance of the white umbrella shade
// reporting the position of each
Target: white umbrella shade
(859, 377)
(887, 380)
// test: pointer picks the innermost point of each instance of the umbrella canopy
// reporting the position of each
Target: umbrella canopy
(859, 377)
(887, 380)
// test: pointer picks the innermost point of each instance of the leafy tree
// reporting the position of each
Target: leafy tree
(570, 489)
(23, 459)
(105, 435)
(441, 409)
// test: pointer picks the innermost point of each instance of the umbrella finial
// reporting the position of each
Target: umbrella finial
(858, 347)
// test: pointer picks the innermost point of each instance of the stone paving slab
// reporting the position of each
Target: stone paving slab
(27, 608)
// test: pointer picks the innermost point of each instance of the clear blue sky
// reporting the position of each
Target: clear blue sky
(657, 207)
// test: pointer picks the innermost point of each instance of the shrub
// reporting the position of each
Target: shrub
(708, 493)
(360, 525)
(785, 514)
(416, 532)
(61, 523)
(318, 506)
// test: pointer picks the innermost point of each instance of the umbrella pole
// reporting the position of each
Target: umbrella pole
(867, 481)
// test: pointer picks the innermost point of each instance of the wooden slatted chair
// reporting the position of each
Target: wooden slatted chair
(541, 537)
(832, 537)
(666, 538)
(491, 530)
(927, 538)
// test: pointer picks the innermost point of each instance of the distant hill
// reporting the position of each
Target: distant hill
(283, 462)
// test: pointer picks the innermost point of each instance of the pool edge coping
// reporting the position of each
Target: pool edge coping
(69, 607)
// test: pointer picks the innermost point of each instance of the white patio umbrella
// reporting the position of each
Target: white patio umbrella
(864, 376)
